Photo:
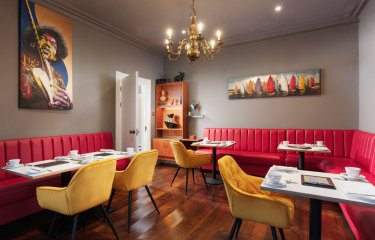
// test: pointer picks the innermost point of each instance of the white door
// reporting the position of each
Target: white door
(133, 105)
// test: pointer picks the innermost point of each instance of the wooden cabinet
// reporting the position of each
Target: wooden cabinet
(170, 98)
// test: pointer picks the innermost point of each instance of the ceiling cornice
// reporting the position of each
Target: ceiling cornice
(290, 30)
(92, 21)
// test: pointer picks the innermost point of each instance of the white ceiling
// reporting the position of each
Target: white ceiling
(145, 21)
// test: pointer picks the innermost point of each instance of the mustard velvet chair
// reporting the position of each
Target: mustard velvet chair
(248, 202)
(188, 159)
(90, 187)
(138, 174)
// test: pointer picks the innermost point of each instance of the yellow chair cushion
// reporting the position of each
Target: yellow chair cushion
(247, 201)
(89, 187)
(138, 174)
(188, 158)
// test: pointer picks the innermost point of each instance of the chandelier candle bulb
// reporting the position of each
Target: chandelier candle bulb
(200, 28)
(212, 44)
(169, 33)
(218, 35)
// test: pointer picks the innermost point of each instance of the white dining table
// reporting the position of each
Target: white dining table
(291, 184)
(302, 149)
(65, 166)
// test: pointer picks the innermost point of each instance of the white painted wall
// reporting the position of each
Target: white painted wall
(367, 68)
(334, 50)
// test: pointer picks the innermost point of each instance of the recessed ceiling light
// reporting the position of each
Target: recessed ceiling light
(183, 32)
(278, 8)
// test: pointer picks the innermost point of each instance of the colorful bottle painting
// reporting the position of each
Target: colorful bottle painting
(301, 82)
(283, 85)
(250, 87)
(270, 85)
(311, 82)
(292, 84)
(258, 87)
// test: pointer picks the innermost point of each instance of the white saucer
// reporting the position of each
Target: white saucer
(271, 184)
(345, 176)
(107, 150)
(12, 167)
(61, 158)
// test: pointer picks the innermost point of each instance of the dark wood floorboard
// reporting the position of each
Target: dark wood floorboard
(201, 215)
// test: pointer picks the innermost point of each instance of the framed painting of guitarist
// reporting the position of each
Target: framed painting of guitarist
(45, 61)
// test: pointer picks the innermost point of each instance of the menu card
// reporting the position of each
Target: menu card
(317, 181)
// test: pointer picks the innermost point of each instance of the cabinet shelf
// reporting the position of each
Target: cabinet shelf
(170, 106)
(196, 116)
(169, 129)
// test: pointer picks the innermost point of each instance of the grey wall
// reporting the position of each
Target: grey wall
(96, 58)
(367, 68)
(334, 50)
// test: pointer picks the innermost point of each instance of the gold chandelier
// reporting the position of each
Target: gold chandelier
(194, 43)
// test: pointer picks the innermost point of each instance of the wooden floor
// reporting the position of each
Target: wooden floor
(202, 214)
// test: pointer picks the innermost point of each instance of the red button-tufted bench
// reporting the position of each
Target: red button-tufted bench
(256, 151)
(17, 194)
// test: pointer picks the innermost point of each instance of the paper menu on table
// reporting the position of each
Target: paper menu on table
(352, 187)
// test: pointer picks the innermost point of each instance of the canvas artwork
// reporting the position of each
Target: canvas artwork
(297, 83)
(45, 70)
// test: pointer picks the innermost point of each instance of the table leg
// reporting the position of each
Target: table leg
(214, 180)
(315, 231)
(301, 161)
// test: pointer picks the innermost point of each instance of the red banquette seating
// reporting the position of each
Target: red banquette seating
(17, 194)
(256, 151)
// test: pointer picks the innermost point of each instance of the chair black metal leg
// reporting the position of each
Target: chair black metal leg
(130, 210)
(52, 225)
(187, 180)
(282, 234)
(204, 177)
(274, 234)
(75, 221)
(234, 227)
(152, 199)
(110, 199)
(238, 227)
(105, 214)
(178, 169)
(192, 170)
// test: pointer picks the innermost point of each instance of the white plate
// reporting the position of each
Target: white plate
(107, 150)
(12, 167)
(271, 184)
(345, 176)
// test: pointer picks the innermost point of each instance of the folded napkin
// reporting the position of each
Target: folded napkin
(359, 188)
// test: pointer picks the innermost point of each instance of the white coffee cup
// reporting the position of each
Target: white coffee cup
(285, 143)
(13, 162)
(319, 143)
(205, 139)
(73, 153)
(130, 150)
(274, 177)
(352, 172)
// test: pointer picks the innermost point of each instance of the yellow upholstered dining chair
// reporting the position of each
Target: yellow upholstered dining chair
(188, 159)
(138, 174)
(248, 202)
(90, 187)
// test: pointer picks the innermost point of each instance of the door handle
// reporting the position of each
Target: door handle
(132, 131)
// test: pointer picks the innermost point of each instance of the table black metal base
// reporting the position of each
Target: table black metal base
(315, 229)
(214, 181)
(301, 160)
